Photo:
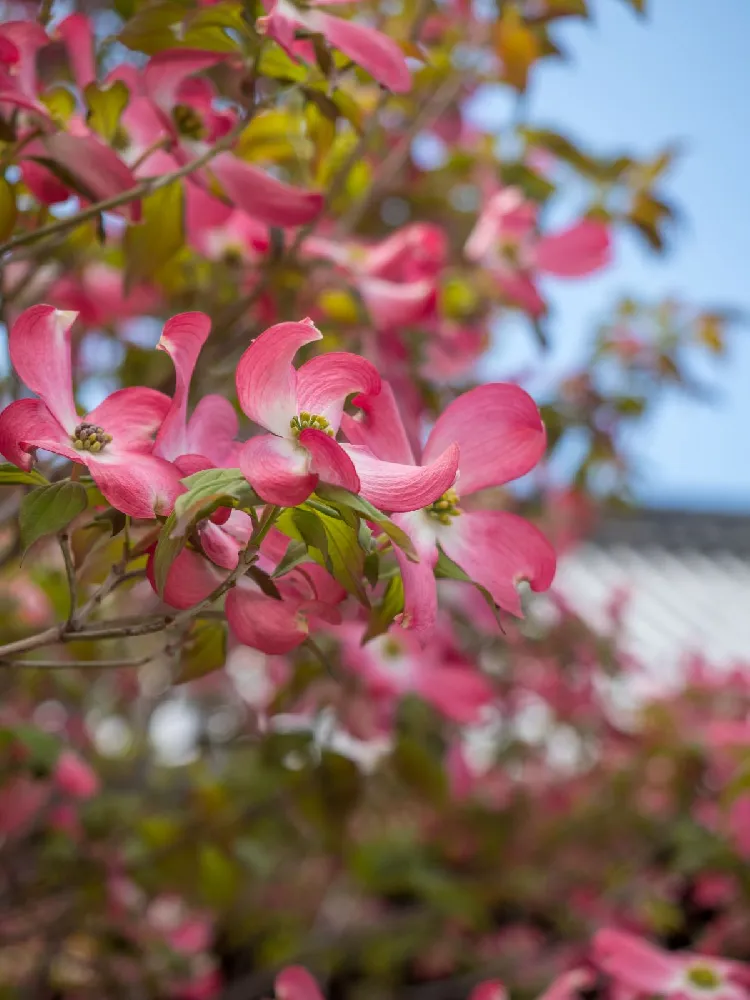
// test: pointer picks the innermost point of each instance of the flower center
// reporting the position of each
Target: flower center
(232, 255)
(313, 420)
(446, 508)
(90, 437)
(510, 252)
(188, 122)
(703, 976)
(120, 140)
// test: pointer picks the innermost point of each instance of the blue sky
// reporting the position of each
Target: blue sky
(632, 83)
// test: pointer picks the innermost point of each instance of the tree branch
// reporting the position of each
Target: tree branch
(145, 187)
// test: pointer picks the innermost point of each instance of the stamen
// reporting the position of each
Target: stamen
(90, 437)
(445, 508)
(189, 123)
(310, 420)
(704, 977)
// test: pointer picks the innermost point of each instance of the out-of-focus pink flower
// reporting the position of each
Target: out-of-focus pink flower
(98, 295)
(74, 776)
(647, 970)
(296, 983)
(396, 663)
(172, 118)
(309, 595)
(98, 171)
(114, 440)
(501, 437)
(568, 985)
(369, 48)
(739, 824)
(396, 277)
(505, 241)
(493, 989)
(21, 800)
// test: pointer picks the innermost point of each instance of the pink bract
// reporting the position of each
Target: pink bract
(131, 478)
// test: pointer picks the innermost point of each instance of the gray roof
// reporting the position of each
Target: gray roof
(687, 580)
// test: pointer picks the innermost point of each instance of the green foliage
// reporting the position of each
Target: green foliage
(206, 492)
(8, 210)
(48, 510)
(153, 242)
(106, 105)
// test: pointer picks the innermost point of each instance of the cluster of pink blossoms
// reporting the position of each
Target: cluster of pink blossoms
(138, 445)
(172, 116)
(634, 969)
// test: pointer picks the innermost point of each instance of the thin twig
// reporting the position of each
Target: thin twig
(400, 152)
(145, 187)
(132, 661)
(70, 572)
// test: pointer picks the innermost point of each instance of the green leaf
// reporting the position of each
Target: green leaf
(274, 62)
(106, 105)
(218, 877)
(639, 6)
(312, 532)
(517, 46)
(8, 210)
(152, 29)
(153, 242)
(372, 568)
(203, 652)
(419, 769)
(295, 554)
(210, 489)
(49, 509)
(381, 616)
(11, 476)
(343, 498)
(446, 569)
(206, 492)
(341, 555)
(349, 109)
(60, 103)
(42, 748)
(214, 28)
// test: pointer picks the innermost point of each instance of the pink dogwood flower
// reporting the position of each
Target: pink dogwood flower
(75, 777)
(396, 663)
(296, 983)
(98, 170)
(647, 970)
(492, 989)
(505, 241)
(114, 441)
(303, 410)
(501, 437)
(309, 595)
(172, 105)
(369, 48)
(397, 277)
(206, 440)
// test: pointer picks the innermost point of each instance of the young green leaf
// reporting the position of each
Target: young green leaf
(106, 105)
(151, 243)
(203, 652)
(381, 616)
(49, 509)
(343, 499)
(8, 210)
(340, 552)
(12, 476)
